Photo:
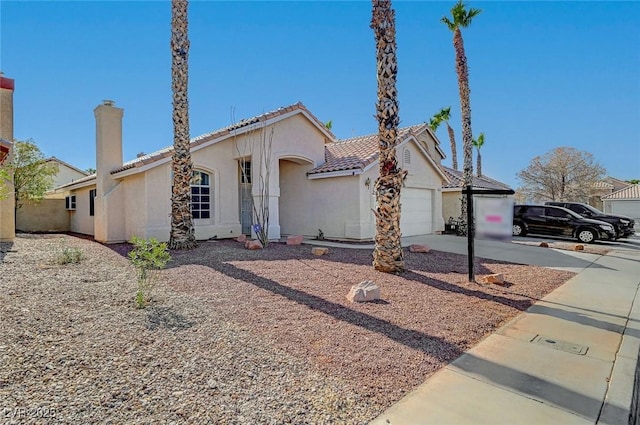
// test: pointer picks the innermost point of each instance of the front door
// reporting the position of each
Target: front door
(246, 199)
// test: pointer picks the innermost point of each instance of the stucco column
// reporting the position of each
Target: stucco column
(7, 205)
(109, 219)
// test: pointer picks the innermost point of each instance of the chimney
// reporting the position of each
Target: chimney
(109, 220)
(6, 108)
(108, 144)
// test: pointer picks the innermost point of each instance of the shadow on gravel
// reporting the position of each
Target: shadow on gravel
(4, 248)
(217, 254)
(434, 346)
(165, 317)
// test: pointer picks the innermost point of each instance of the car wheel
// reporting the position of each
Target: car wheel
(586, 235)
(517, 230)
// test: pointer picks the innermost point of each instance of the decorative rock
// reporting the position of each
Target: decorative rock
(418, 248)
(319, 251)
(253, 245)
(543, 245)
(497, 278)
(294, 240)
(578, 248)
(242, 238)
(363, 292)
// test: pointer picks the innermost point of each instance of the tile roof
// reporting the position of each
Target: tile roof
(456, 179)
(602, 185)
(357, 153)
(78, 181)
(630, 192)
(168, 151)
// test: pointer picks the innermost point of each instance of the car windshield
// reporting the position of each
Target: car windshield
(592, 209)
(574, 214)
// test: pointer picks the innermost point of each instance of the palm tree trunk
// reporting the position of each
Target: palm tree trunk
(454, 150)
(387, 255)
(465, 107)
(479, 164)
(182, 232)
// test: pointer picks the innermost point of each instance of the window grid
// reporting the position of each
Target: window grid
(200, 195)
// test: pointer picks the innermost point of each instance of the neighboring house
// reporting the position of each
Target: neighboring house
(66, 172)
(624, 202)
(49, 214)
(315, 181)
(604, 187)
(452, 192)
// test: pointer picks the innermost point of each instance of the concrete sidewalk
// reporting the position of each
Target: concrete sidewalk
(569, 359)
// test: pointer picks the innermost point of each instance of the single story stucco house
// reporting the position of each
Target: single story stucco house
(315, 181)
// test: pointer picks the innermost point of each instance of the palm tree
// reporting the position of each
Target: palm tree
(182, 233)
(461, 18)
(387, 255)
(478, 144)
(443, 116)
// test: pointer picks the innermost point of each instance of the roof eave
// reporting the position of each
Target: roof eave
(339, 173)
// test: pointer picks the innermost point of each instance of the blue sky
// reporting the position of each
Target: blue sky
(542, 74)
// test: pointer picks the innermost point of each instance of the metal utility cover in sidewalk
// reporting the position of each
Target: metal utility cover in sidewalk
(556, 344)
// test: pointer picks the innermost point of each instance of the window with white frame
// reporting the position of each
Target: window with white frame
(70, 202)
(201, 195)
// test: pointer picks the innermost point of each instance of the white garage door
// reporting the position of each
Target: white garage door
(416, 216)
(628, 208)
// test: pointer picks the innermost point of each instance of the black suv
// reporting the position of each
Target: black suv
(622, 224)
(558, 221)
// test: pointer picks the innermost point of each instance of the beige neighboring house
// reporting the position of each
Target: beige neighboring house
(7, 205)
(315, 181)
(66, 173)
(452, 192)
(604, 187)
(49, 214)
(625, 201)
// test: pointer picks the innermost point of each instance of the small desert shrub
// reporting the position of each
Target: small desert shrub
(148, 257)
(70, 255)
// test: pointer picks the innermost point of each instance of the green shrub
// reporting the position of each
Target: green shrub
(70, 255)
(148, 257)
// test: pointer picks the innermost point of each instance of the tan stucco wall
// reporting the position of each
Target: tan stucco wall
(80, 221)
(7, 220)
(307, 205)
(451, 205)
(48, 215)
(7, 205)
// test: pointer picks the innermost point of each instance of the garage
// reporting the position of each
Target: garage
(624, 202)
(416, 216)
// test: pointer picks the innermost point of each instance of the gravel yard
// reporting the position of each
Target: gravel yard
(235, 336)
